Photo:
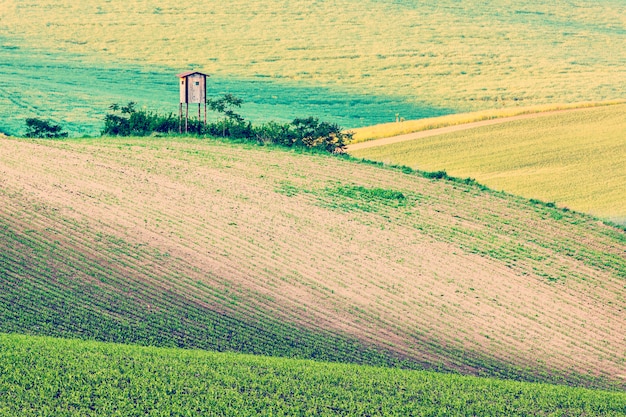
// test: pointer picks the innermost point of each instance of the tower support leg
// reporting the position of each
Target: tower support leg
(186, 117)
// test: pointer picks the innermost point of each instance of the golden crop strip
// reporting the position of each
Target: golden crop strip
(403, 127)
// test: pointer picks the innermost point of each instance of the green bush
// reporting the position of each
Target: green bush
(312, 133)
(435, 175)
(229, 128)
(276, 133)
(128, 121)
(37, 128)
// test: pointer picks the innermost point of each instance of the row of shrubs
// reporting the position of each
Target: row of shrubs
(128, 120)
(307, 132)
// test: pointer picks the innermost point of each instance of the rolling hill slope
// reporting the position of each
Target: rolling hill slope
(196, 243)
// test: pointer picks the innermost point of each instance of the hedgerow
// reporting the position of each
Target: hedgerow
(307, 132)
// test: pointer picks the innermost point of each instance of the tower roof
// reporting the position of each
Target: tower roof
(188, 73)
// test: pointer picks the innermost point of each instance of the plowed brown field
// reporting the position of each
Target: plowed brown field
(439, 272)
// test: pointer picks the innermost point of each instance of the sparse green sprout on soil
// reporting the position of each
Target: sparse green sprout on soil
(233, 246)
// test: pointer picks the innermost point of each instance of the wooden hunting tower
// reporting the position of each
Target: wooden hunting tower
(192, 90)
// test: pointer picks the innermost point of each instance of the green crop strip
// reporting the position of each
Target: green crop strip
(47, 376)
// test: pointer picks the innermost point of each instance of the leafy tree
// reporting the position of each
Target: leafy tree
(114, 124)
(312, 133)
(37, 128)
(233, 122)
(225, 105)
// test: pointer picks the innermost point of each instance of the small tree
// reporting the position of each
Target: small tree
(117, 125)
(225, 105)
(37, 128)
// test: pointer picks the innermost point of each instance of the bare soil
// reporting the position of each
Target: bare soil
(451, 269)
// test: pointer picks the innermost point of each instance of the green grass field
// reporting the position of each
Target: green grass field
(77, 93)
(574, 159)
(45, 376)
(357, 62)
